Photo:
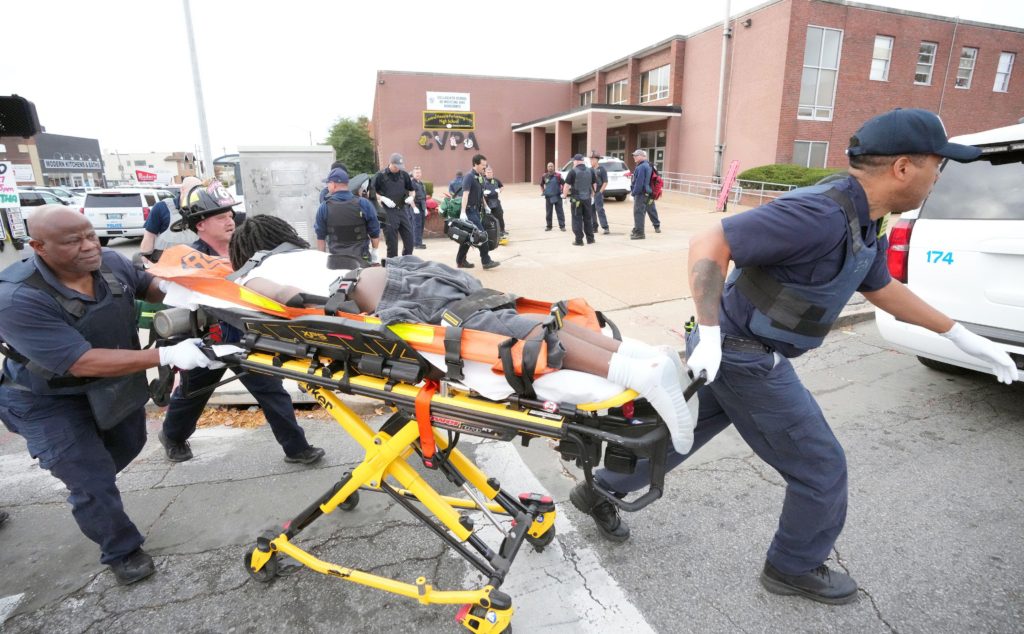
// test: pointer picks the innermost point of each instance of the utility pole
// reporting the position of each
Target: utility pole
(206, 168)
(719, 147)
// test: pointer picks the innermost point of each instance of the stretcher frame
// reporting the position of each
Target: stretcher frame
(374, 362)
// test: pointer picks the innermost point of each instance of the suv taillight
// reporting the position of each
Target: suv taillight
(899, 249)
(628, 174)
(145, 213)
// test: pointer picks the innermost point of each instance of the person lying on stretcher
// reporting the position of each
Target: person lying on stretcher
(410, 290)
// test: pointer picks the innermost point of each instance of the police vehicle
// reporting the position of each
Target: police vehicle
(963, 252)
(120, 213)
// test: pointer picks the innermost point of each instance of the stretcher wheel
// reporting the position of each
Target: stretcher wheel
(539, 543)
(351, 502)
(267, 573)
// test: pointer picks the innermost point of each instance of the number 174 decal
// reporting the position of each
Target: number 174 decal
(945, 257)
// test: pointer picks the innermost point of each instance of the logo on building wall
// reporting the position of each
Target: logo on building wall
(435, 120)
(450, 140)
(457, 101)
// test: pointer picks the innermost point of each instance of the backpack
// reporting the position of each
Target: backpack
(451, 208)
(656, 184)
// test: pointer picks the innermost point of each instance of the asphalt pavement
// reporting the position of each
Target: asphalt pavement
(933, 533)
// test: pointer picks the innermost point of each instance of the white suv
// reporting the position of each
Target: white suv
(618, 176)
(963, 252)
(120, 213)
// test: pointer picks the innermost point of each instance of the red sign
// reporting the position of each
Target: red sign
(145, 177)
(727, 183)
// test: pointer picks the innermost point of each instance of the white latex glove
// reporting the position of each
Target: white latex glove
(410, 199)
(374, 256)
(387, 202)
(707, 355)
(187, 356)
(163, 285)
(979, 347)
(488, 192)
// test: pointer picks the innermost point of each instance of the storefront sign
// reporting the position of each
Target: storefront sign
(434, 120)
(61, 164)
(8, 193)
(451, 101)
(24, 173)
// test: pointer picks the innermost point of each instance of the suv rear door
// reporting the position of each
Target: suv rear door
(117, 213)
(967, 248)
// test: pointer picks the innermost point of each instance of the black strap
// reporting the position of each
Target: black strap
(258, 257)
(341, 292)
(453, 353)
(483, 299)
(785, 308)
(522, 385)
(852, 219)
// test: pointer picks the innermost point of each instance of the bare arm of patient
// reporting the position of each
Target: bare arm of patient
(368, 292)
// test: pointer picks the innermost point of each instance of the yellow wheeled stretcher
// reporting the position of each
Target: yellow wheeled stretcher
(332, 355)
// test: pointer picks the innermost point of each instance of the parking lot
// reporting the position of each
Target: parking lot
(933, 532)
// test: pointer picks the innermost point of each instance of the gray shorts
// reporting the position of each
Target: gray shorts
(509, 323)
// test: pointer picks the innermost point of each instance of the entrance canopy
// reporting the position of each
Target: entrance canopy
(617, 115)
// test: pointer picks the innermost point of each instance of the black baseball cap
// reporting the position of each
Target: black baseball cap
(908, 131)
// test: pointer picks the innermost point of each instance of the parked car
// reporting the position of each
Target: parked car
(120, 213)
(963, 252)
(618, 176)
(64, 196)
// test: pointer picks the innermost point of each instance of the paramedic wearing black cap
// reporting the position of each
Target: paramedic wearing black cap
(74, 382)
(393, 185)
(209, 213)
(472, 204)
(346, 226)
(798, 261)
(579, 188)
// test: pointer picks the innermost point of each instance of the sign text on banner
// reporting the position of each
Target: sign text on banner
(434, 120)
(457, 101)
(8, 193)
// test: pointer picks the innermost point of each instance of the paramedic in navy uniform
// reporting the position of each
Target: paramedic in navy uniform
(74, 383)
(209, 214)
(798, 261)
(472, 203)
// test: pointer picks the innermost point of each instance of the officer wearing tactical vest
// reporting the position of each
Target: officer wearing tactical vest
(392, 186)
(798, 261)
(346, 226)
(579, 188)
(74, 382)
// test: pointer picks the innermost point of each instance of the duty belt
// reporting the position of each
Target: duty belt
(741, 344)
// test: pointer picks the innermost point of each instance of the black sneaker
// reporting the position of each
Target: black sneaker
(548, 228)
(562, 228)
(465, 265)
(607, 232)
(421, 246)
(636, 236)
(821, 584)
(492, 264)
(605, 514)
(135, 567)
(175, 451)
(4, 516)
(657, 230)
(591, 241)
(577, 243)
(309, 455)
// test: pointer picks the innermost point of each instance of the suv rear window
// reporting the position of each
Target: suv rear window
(112, 200)
(614, 166)
(986, 189)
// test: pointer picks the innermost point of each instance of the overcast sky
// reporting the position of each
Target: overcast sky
(276, 73)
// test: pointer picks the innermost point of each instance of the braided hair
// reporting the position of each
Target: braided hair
(260, 233)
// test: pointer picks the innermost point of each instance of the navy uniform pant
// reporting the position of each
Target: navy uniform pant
(599, 210)
(61, 432)
(183, 412)
(473, 215)
(398, 224)
(780, 420)
(419, 216)
(642, 206)
(554, 204)
(582, 219)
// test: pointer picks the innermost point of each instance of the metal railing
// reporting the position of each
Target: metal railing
(751, 193)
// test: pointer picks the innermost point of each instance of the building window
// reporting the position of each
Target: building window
(810, 153)
(881, 57)
(968, 56)
(1003, 72)
(654, 143)
(617, 92)
(616, 146)
(925, 63)
(821, 66)
(587, 98)
(654, 84)
(140, 163)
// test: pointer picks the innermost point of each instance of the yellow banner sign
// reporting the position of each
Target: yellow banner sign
(437, 120)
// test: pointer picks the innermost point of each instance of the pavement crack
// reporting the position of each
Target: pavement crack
(841, 563)
(570, 556)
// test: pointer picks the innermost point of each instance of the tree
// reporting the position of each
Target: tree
(352, 144)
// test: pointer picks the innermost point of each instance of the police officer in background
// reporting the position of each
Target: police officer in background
(551, 189)
(419, 213)
(74, 382)
(579, 188)
(600, 184)
(325, 192)
(472, 204)
(392, 186)
(643, 204)
(346, 226)
(209, 213)
(798, 261)
(492, 190)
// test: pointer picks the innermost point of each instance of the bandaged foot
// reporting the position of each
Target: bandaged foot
(657, 380)
(639, 350)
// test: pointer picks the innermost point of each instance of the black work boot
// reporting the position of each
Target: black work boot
(135, 567)
(636, 235)
(605, 514)
(4, 516)
(175, 451)
(821, 584)
(310, 455)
